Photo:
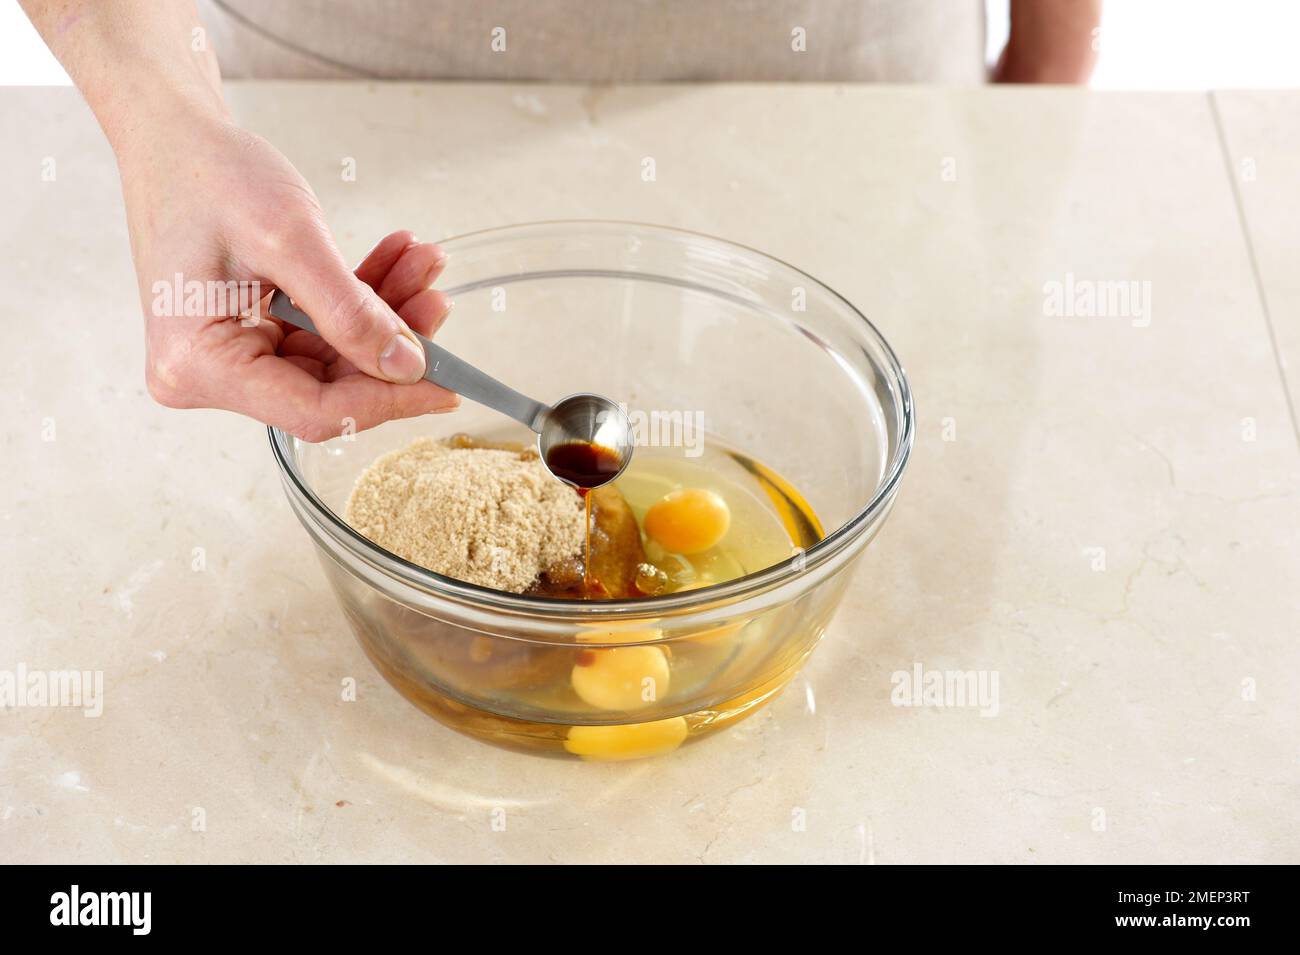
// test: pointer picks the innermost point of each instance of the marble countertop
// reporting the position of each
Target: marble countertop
(1102, 510)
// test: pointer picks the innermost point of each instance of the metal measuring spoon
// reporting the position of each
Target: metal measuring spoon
(578, 419)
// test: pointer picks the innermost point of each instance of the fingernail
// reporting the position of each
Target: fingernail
(402, 360)
(434, 268)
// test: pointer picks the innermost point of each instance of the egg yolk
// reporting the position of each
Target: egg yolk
(688, 521)
(628, 741)
(621, 678)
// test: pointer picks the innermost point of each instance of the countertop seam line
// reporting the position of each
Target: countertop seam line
(1212, 97)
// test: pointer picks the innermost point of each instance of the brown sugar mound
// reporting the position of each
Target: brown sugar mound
(488, 516)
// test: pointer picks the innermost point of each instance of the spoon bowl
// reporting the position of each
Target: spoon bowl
(590, 420)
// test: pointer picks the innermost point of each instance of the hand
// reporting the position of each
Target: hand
(214, 203)
(1051, 41)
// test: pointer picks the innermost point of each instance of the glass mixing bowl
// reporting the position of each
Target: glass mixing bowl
(783, 370)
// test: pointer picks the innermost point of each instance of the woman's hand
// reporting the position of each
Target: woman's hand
(1051, 41)
(215, 204)
(210, 203)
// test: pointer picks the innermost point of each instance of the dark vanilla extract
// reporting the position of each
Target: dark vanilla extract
(585, 465)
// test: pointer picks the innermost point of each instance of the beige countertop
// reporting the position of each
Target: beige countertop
(1102, 510)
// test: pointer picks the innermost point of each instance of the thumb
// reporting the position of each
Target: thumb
(347, 312)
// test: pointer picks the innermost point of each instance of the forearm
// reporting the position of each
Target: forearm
(137, 62)
(1051, 41)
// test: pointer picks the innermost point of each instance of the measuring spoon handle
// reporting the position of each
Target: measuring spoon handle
(442, 368)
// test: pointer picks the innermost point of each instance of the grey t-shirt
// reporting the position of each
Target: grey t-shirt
(601, 41)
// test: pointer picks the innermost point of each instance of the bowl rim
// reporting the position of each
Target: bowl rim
(731, 591)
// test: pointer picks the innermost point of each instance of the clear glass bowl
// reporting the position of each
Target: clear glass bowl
(783, 369)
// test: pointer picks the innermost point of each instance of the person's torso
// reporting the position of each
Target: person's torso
(602, 41)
